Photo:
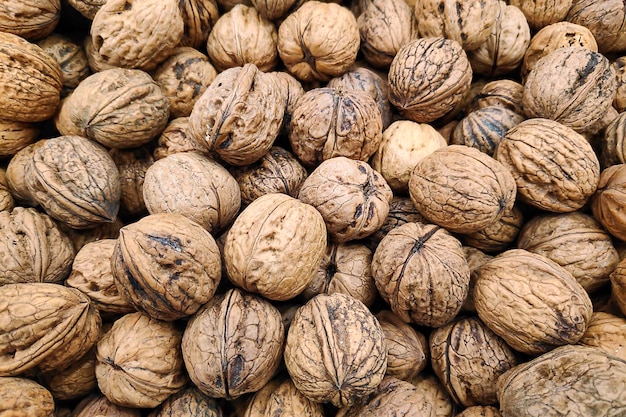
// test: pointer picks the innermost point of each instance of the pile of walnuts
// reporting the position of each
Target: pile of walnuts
(247, 208)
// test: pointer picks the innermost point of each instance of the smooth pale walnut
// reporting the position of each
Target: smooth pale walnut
(613, 147)
(540, 13)
(618, 286)
(607, 332)
(501, 93)
(554, 167)
(24, 397)
(199, 17)
(188, 402)
(97, 405)
(132, 165)
(428, 78)
(175, 138)
(74, 382)
(233, 345)
(546, 385)
(401, 211)
(336, 350)
(269, 252)
(351, 196)
(30, 19)
(499, 235)
(604, 18)
(421, 271)
(435, 393)
(318, 41)
(71, 58)
(403, 145)
(480, 411)
(138, 34)
(607, 203)
(15, 136)
(281, 398)
(467, 22)
(530, 301)
(619, 102)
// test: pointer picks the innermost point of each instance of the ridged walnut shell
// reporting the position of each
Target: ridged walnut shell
(336, 350)
(233, 345)
(281, 398)
(607, 203)
(15, 136)
(435, 393)
(24, 397)
(74, 382)
(613, 147)
(87, 8)
(132, 165)
(401, 211)
(569, 380)
(605, 20)
(619, 102)
(71, 58)
(501, 93)
(618, 286)
(30, 19)
(530, 301)
(175, 138)
(480, 411)
(421, 271)
(275, 10)
(199, 17)
(97, 405)
(188, 402)
(7, 202)
(499, 235)
(540, 13)
(607, 332)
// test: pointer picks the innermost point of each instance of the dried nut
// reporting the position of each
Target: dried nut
(175, 138)
(351, 196)
(70, 56)
(619, 102)
(15, 136)
(554, 167)
(195, 186)
(336, 350)
(97, 63)
(436, 394)
(119, 108)
(7, 202)
(385, 26)
(428, 78)
(132, 165)
(546, 385)
(480, 411)
(502, 93)
(530, 301)
(30, 80)
(97, 405)
(605, 19)
(461, 189)
(137, 34)
(469, 358)
(577, 242)
(421, 272)
(475, 258)
(467, 22)
(74, 382)
(199, 17)
(80, 237)
(281, 398)
(44, 325)
(540, 13)
(318, 41)
(24, 397)
(166, 265)
(33, 248)
(139, 362)
(291, 90)
(403, 145)
(573, 85)
(607, 332)
(274, 10)
(618, 286)
(401, 211)
(239, 115)
(499, 235)
(613, 147)
(30, 19)
(233, 345)
(87, 8)
(188, 402)
(607, 202)
(75, 180)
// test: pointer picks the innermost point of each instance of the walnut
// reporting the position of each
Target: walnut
(618, 286)
(554, 167)
(607, 202)
(188, 402)
(435, 393)
(619, 102)
(428, 78)
(503, 93)
(546, 385)
(540, 13)
(613, 147)
(606, 331)
(281, 398)
(291, 90)
(335, 350)
(475, 258)
(24, 397)
(401, 211)
(175, 138)
(30, 80)
(71, 58)
(80, 237)
(499, 235)
(15, 136)
(16, 174)
(420, 270)
(199, 17)
(480, 411)
(136, 34)
(318, 41)
(605, 20)
(233, 345)
(97, 405)
(132, 165)
(87, 8)
(96, 61)
(7, 202)
(74, 382)
(30, 19)
(530, 301)
(351, 196)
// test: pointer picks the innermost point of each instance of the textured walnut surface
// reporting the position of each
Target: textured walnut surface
(132, 165)
(605, 20)
(540, 13)
(97, 405)
(24, 397)
(499, 235)
(75, 381)
(607, 201)
(188, 402)
(71, 58)
(199, 17)
(607, 332)
(281, 398)
(30, 19)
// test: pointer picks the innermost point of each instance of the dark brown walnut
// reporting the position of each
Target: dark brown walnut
(30, 80)
(71, 58)
(385, 26)
(139, 361)
(605, 20)
(619, 102)
(239, 115)
(351, 196)
(233, 345)
(80, 237)
(480, 411)
(407, 349)
(269, 252)
(475, 258)
(30, 19)
(540, 13)
(607, 203)
(618, 286)
(33, 248)
(469, 358)
(403, 145)
(546, 385)
(91, 273)
(87, 8)
(467, 22)
(175, 138)
(428, 78)
(499, 235)
(24, 397)
(74, 382)
(183, 77)
(554, 167)
(44, 325)
(401, 211)
(336, 350)
(119, 108)
(607, 332)
(166, 266)
(75, 180)
(502, 93)
(436, 394)
(422, 273)
(613, 147)
(318, 41)
(97, 405)
(281, 398)
(188, 402)
(132, 165)
(461, 188)
(530, 301)
(291, 90)
(7, 202)
(199, 17)
(345, 268)
(15, 136)
(137, 34)
(275, 10)
(242, 36)
(484, 128)
(577, 242)
(195, 186)
(572, 85)
(278, 171)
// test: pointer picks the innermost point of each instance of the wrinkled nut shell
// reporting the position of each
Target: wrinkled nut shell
(607, 332)
(23, 397)
(97, 405)
(280, 397)
(188, 402)
(15, 136)
(71, 58)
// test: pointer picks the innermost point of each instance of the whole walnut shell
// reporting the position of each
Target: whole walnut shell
(420, 270)
(7, 202)
(540, 13)
(546, 385)
(605, 20)
(607, 332)
(502, 93)
(24, 397)
(291, 90)
(188, 402)
(435, 393)
(475, 258)
(16, 174)
(428, 78)
(199, 17)
(401, 211)
(74, 382)
(613, 147)
(499, 235)
(71, 58)
(233, 345)
(132, 165)
(87, 8)
(268, 252)
(618, 286)
(281, 398)
(97, 405)
(30, 19)
(335, 350)
(175, 138)
(607, 202)
(15, 136)
(530, 301)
